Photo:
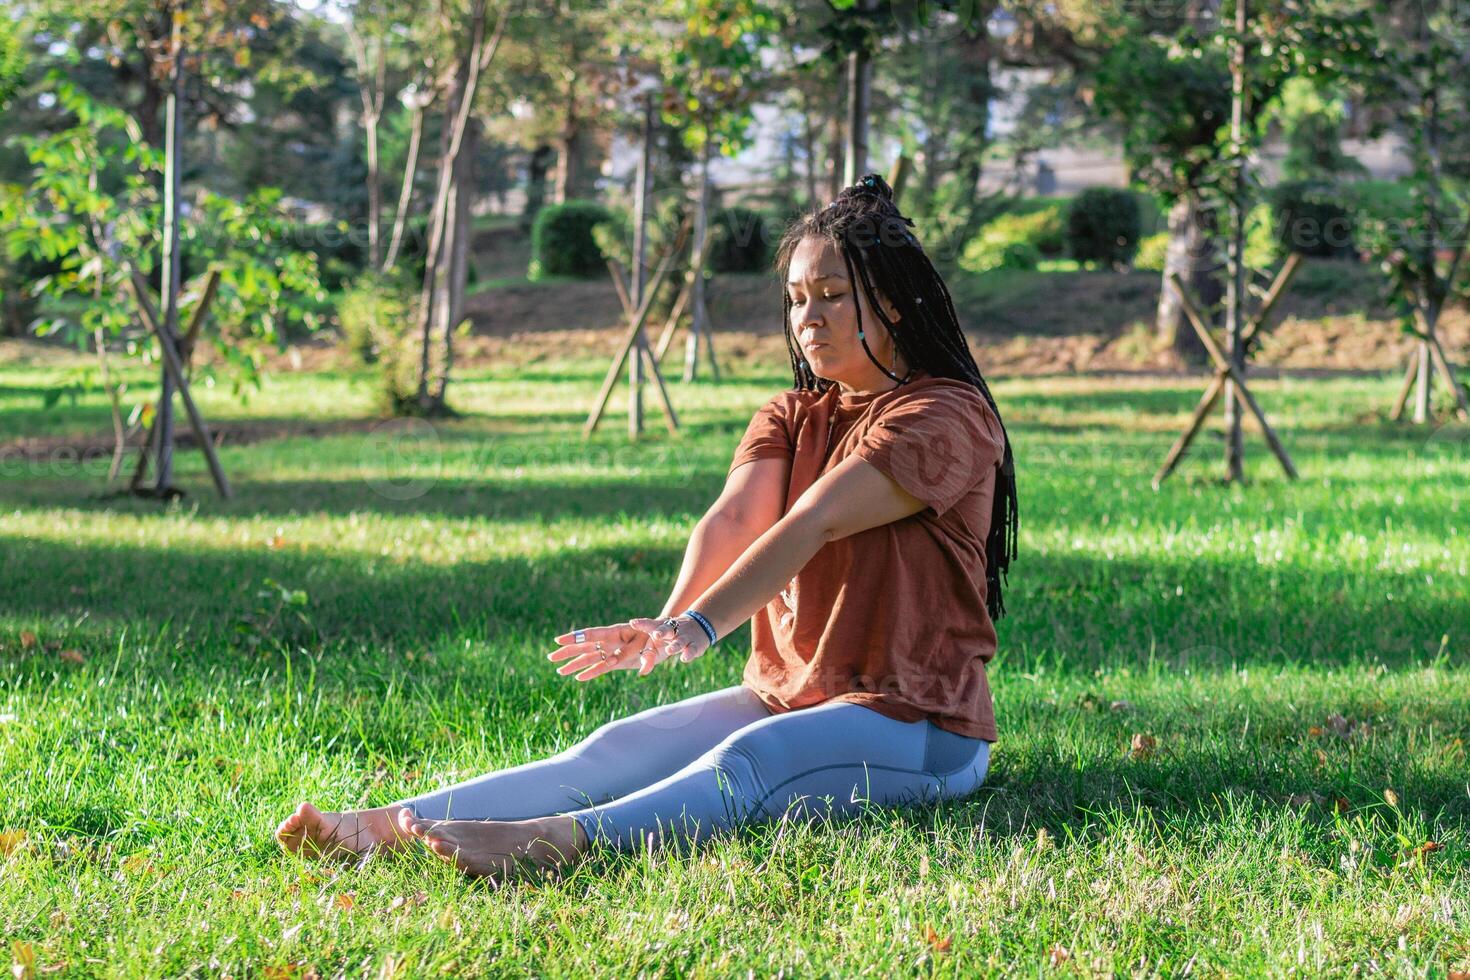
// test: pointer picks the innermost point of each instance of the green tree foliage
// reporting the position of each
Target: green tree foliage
(711, 68)
(92, 205)
(12, 60)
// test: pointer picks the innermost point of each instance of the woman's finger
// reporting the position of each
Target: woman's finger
(648, 658)
(608, 636)
(591, 665)
(590, 634)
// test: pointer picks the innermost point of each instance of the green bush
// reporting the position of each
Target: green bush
(1313, 218)
(1020, 255)
(741, 241)
(1017, 238)
(1151, 252)
(1103, 226)
(562, 243)
(1263, 248)
(372, 312)
(378, 318)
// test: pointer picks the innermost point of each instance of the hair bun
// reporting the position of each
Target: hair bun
(870, 185)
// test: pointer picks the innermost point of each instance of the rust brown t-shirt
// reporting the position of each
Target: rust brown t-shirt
(892, 617)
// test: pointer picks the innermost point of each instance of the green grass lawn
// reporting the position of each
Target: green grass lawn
(1296, 650)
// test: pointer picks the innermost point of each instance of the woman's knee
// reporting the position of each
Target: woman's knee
(695, 717)
(966, 778)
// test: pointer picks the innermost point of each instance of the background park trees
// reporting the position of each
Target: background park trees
(387, 122)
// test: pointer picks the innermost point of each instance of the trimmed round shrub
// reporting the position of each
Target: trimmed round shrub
(1310, 218)
(562, 243)
(1016, 241)
(741, 240)
(1103, 226)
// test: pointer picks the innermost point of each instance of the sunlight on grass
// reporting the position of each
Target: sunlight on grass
(1233, 720)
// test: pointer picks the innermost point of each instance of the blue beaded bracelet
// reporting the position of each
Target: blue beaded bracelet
(713, 639)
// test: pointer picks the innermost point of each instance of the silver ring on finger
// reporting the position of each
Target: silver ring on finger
(580, 636)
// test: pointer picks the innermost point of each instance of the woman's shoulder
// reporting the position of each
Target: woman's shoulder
(931, 394)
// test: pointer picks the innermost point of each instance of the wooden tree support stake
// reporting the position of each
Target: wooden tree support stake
(633, 338)
(1426, 312)
(650, 362)
(139, 288)
(1428, 344)
(186, 355)
(671, 325)
(1225, 370)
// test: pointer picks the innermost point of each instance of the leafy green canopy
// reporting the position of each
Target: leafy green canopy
(92, 207)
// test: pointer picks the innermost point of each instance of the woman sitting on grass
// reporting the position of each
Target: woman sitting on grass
(866, 520)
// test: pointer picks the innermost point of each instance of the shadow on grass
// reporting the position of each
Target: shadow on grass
(352, 602)
(1067, 613)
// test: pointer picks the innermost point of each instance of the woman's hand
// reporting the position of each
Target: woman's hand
(603, 648)
(640, 644)
(680, 636)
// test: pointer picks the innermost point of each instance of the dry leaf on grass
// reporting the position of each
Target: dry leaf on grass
(1418, 854)
(72, 656)
(10, 840)
(1143, 746)
(1058, 955)
(27, 639)
(939, 945)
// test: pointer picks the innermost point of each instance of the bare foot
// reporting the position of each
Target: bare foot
(347, 835)
(501, 849)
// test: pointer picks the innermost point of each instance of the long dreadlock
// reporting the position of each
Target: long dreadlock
(872, 236)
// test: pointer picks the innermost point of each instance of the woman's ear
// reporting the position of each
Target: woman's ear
(889, 310)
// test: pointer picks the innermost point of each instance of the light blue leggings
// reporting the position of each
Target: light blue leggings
(717, 761)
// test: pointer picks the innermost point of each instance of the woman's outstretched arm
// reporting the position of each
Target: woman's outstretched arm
(753, 500)
(853, 496)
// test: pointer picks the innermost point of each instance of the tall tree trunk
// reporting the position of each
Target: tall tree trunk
(809, 147)
(1235, 278)
(859, 88)
(571, 166)
(459, 236)
(150, 107)
(171, 265)
(539, 164)
(1191, 253)
(405, 193)
(435, 305)
(834, 153)
(372, 80)
(375, 192)
(699, 327)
